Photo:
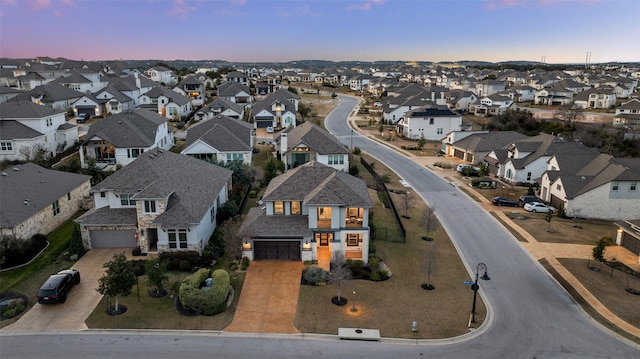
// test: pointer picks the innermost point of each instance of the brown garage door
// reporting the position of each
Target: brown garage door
(631, 243)
(276, 250)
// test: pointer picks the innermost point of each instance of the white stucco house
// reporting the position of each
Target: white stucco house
(147, 204)
(121, 138)
(26, 128)
(432, 122)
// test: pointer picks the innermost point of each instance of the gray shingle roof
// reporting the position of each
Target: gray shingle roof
(14, 130)
(190, 184)
(49, 93)
(173, 96)
(106, 216)
(317, 184)
(25, 109)
(315, 138)
(488, 141)
(135, 128)
(40, 186)
(222, 133)
(257, 224)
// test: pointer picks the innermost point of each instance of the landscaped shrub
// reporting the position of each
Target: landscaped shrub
(208, 302)
(185, 266)
(17, 251)
(253, 194)
(316, 275)
(233, 266)
(176, 257)
(244, 264)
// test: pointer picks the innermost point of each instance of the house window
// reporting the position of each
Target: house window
(330, 159)
(6, 146)
(431, 121)
(103, 194)
(125, 199)
(68, 196)
(114, 106)
(278, 207)
(56, 208)
(559, 187)
(509, 174)
(353, 239)
(212, 214)
(324, 213)
(439, 131)
(528, 176)
(632, 186)
(615, 185)
(173, 111)
(150, 206)
(295, 208)
(134, 152)
(177, 238)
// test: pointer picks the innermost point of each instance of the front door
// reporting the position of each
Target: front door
(323, 239)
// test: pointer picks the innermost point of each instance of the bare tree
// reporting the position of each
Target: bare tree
(428, 217)
(230, 231)
(407, 202)
(569, 114)
(340, 273)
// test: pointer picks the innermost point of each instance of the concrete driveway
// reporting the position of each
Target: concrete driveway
(269, 298)
(82, 299)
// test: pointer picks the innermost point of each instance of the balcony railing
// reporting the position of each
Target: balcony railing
(353, 222)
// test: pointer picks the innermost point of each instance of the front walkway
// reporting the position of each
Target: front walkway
(269, 298)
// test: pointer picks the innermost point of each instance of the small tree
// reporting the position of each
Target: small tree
(118, 278)
(271, 169)
(421, 141)
(427, 215)
(156, 274)
(407, 202)
(76, 246)
(230, 232)
(598, 250)
(381, 129)
(484, 169)
(340, 273)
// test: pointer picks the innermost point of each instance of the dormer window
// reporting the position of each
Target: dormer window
(278, 207)
(149, 206)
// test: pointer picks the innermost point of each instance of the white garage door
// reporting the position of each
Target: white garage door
(113, 239)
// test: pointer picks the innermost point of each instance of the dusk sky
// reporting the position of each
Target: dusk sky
(560, 31)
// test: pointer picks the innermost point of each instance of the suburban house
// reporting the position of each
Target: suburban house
(593, 185)
(473, 149)
(132, 86)
(495, 104)
(488, 87)
(237, 77)
(553, 95)
(235, 92)
(193, 88)
(527, 158)
(121, 138)
(309, 213)
(27, 128)
(308, 142)
(431, 122)
(147, 204)
(454, 136)
(161, 74)
(277, 110)
(113, 101)
(7, 93)
(523, 93)
(220, 139)
(460, 100)
(629, 235)
(168, 103)
(83, 82)
(599, 97)
(55, 96)
(628, 114)
(88, 105)
(220, 107)
(35, 199)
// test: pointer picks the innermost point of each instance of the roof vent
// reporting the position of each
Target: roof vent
(26, 202)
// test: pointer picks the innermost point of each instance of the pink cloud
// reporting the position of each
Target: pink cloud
(39, 4)
(365, 6)
(181, 9)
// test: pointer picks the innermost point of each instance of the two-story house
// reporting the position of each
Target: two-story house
(168, 103)
(55, 96)
(495, 104)
(308, 142)
(147, 204)
(431, 122)
(220, 107)
(121, 138)
(192, 88)
(111, 101)
(309, 213)
(235, 92)
(27, 128)
(220, 139)
(277, 110)
(593, 185)
(628, 114)
(161, 74)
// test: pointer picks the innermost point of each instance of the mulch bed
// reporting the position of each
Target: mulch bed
(183, 311)
(7, 297)
(113, 312)
(341, 302)
(153, 293)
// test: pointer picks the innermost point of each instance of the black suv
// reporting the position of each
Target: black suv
(528, 199)
(55, 289)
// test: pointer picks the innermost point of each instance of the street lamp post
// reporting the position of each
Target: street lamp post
(475, 287)
(352, 140)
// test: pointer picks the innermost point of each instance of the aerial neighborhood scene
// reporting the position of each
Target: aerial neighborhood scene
(325, 194)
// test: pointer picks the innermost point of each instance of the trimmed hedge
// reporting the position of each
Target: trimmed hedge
(206, 302)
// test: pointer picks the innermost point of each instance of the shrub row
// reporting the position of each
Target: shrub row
(206, 302)
(183, 261)
(17, 251)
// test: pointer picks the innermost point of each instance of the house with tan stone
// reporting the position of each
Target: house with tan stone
(161, 202)
(35, 199)
(309, 213)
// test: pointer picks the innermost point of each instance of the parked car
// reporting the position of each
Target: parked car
(504, 201)
(55, 289)
(528, 199)
(82, 118)
(468, 170)
(538, 207)
(270, 129)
